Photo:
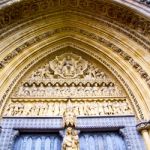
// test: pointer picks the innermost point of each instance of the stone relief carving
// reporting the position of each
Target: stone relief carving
(73, 90)
(67, 66)
(15, 109)
(123, 16)
(66, 76)
(128, 58)
(133, 100)
(57, 107)
(69, 116)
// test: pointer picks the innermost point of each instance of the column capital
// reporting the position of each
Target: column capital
(143, 125)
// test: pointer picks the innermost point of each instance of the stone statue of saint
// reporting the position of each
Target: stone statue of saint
(68, 68)
(71, 140)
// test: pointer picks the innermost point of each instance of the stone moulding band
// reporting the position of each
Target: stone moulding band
(103, 8)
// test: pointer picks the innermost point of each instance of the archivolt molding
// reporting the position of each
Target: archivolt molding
(116, 13)
(86, 19)
(136, 66)
(134, 102)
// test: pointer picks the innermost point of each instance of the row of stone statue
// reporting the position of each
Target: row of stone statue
(64, 91)
(57, 108)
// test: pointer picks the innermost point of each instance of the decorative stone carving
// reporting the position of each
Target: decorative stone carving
(69, 117)
(133, 99)
(68, 75)
(68, 66)
(71, 139)
(128, 58)
(73, 90)
(101, 8)
(15, 109)
(144, 125)
(57, 107)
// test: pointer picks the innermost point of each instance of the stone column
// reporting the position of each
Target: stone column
(146, 138)
(144, 128)
(7, 137)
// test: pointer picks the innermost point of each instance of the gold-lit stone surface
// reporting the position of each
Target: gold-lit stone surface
(127, 56)
(111, 34)
(93, 89)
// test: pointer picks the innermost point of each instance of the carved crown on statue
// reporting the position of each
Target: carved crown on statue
(69, 116)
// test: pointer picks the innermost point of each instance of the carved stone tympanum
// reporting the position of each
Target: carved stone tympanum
(46, 89)
(68, 75)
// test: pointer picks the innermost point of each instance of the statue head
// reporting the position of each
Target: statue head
(69, 130)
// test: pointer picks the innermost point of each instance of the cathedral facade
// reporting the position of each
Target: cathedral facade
(74, 75)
